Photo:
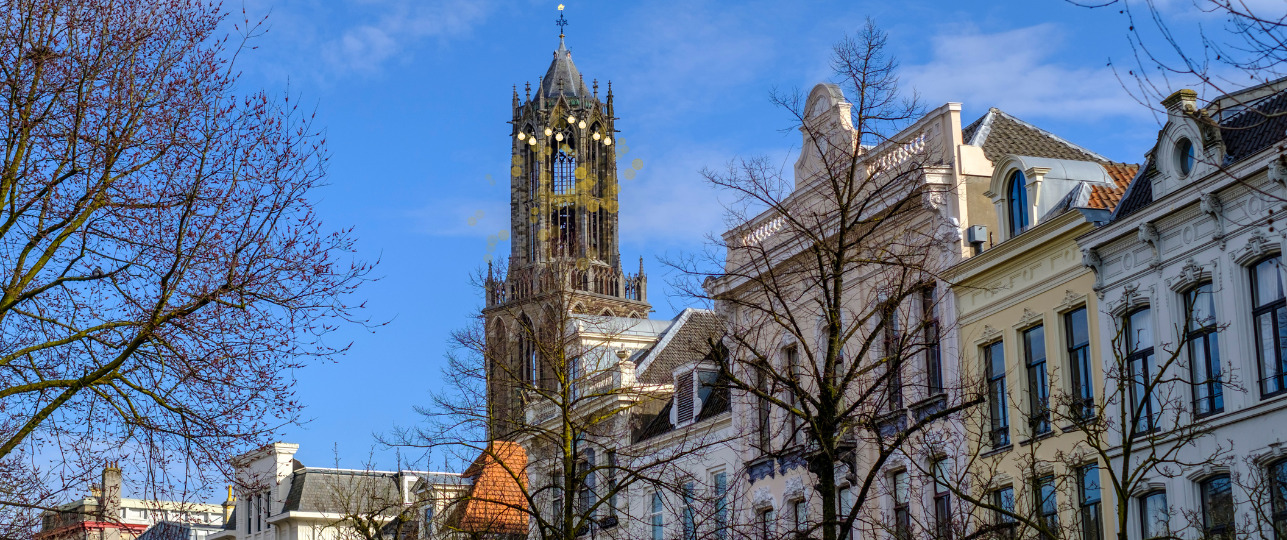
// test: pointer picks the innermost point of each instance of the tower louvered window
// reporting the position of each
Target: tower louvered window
(684, 397)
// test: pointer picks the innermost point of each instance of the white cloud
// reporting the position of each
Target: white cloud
(398, 24)
(1014, 71)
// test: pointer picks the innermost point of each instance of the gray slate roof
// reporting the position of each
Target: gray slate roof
(327, 490)
(563, 78)
(687, 340)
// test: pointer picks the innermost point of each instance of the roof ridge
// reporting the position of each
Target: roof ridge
(984, 127)
(665, 338)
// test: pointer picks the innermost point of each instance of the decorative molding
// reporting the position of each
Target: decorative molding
(1207, 470)
(1071, 301)
(1258, 245)
(762, 499)
(989, 334)
(1029, 318)
(1274, 452)
(1090, 259)
(1190, 274)
(1131, 298)
(1148, 235)
(794, 490)
(1278, 171)
(1211, 204)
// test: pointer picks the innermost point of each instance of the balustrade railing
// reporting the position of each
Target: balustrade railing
(525, 283)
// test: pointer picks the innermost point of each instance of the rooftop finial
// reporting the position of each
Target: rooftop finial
(561, 22)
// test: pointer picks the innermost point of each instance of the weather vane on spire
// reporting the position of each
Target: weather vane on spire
(561, 22)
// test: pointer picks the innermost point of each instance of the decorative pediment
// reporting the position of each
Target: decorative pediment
(1029, 318)
(1130, 299)
(1071, 301)
(762, 499)
(1190, 274)
(989, 334)
(1258, 245)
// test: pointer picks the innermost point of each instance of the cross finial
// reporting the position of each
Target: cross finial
(561, 22)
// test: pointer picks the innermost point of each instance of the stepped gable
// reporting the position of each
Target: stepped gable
(1000, 133)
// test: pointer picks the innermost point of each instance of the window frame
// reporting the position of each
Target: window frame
(1205, 336)
(1092, 516)
(1276, 472)
(932, 334)
(998, 399)
(1147, 360)
(1038, 381)
(791, 355)
(1146, 531)
(901, 483)
(1079, 364)
(1048, 515)
(1273, 308)
(657, 518)
(1003, 498)
(942, 499)
(1019, 222)
(1205, 494)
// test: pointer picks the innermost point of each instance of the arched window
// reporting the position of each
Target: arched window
(1018, 197)
(531, 368)
(564, 166)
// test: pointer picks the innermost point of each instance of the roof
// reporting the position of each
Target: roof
(687, 340)
(1095, 195)
(623, 326)
(1254, 129)
(563, 78)
(338, 490)
(1000, 133)
(496, 503)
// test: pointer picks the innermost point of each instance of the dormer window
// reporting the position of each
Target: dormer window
(1018, 195)
(1184, 157)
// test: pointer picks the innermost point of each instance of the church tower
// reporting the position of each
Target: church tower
(563, 216)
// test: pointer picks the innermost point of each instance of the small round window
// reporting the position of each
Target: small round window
(1184, 155)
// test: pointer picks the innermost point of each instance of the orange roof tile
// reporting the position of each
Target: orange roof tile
(1107, 198)
(496, 503)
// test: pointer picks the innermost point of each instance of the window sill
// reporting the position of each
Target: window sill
(1040, 437)
(998, 451)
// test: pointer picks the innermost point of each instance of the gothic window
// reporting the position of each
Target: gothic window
(530, 167)
(564, 169)
(1017, 193)
(531, 368)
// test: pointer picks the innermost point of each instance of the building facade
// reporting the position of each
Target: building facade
(1190, 275)
(107, 515)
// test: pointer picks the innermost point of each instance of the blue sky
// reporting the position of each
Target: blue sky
(414, 96)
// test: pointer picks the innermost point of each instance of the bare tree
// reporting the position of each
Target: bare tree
(164, 268)
(546, 401)
(831, 285)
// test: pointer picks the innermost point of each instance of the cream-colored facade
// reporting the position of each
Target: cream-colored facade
(1032, 283)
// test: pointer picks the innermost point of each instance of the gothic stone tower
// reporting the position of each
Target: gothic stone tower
(564, 257)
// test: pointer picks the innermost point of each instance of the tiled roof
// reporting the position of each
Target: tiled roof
(1106, 198)
(685, 341)
(563, 78)
(496, 503)
(1000, 133)
(332, 490)
(1253, 130)
(1138, 194)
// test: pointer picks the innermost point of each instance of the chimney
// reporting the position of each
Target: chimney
(228, 506)
(109, 505)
